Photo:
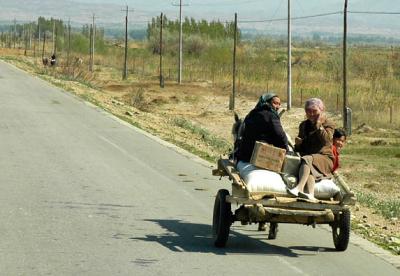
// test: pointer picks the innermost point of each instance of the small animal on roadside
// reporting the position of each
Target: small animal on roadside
(53, 60)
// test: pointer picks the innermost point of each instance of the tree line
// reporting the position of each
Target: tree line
(27, 35)
(210, 29)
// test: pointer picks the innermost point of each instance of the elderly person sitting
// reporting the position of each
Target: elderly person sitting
(314, 143)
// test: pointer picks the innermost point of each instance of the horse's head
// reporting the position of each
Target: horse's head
(237, 126)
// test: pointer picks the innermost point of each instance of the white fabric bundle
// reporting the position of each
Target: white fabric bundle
(260, 180)
(325, 189)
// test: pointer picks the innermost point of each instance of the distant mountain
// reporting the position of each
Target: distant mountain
(25, 10)
(109, 15)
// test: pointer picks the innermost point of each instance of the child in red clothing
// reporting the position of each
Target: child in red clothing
(339, 139)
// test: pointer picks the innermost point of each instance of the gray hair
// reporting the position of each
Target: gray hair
(315, 102)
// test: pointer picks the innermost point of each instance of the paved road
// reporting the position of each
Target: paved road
(83, 194)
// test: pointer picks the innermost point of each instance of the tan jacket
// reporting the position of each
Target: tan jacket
(317, 141)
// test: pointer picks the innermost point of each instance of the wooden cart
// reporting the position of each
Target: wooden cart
(274, 208)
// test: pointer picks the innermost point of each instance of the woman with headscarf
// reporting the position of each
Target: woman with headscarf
(262, 124)
(314, 143)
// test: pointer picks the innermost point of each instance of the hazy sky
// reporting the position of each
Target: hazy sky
(268, 9)
(224, 9)
(107, 12)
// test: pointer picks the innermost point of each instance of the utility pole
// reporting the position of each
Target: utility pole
(125, 72)
(161, 50)
(30, 35)
(24, 36)
(180, 43)
(44, 43)
(232, 101)
(90, 47)
(15, 31)
(69, 43)
(54, 41)
(34, 43)
(38, 35)
(93, 36)
(289, 62)
(345, 121)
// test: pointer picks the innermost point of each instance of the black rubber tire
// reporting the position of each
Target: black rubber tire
(273, 231)
(222, 219)
(341, 231)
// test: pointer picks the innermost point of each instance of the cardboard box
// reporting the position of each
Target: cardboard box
(268, 157)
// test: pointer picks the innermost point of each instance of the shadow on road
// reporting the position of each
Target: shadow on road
(191, 237)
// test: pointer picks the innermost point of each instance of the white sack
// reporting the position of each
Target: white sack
(260, 180)
(325, 189)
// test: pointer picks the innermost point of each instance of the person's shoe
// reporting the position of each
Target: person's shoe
(306, 196)
(293, 192)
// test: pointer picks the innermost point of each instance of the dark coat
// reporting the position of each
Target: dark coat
(317, 142)
(261, 124)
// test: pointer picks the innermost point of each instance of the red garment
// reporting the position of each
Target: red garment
(336, 158)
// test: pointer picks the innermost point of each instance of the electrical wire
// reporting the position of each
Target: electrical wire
(374, 12)
(293, 18)
(225, 4)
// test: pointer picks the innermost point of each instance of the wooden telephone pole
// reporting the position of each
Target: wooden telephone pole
(161, 51)
(54, 37)
(345, 119)
(125, 70)
(232, 101)
(180, 41)
(92, 33)
(69, 44)
(15, 32)
(289, 62)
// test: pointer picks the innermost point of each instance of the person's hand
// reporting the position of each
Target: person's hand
(298, 141)
(321, 120)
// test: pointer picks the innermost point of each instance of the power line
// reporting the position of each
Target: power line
(225, 3)
(276, 11)
(293, 18)
(374, 12)
(300, 6)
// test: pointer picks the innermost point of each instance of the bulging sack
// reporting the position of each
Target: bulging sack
(325, 189)
(260, 180)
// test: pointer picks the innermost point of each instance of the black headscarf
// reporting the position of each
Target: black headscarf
(264, 102)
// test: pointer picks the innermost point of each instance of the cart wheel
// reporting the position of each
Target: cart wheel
(341, 231)
(273, 230)
(222, 219)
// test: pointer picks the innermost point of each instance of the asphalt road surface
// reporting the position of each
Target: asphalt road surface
(83, 194)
